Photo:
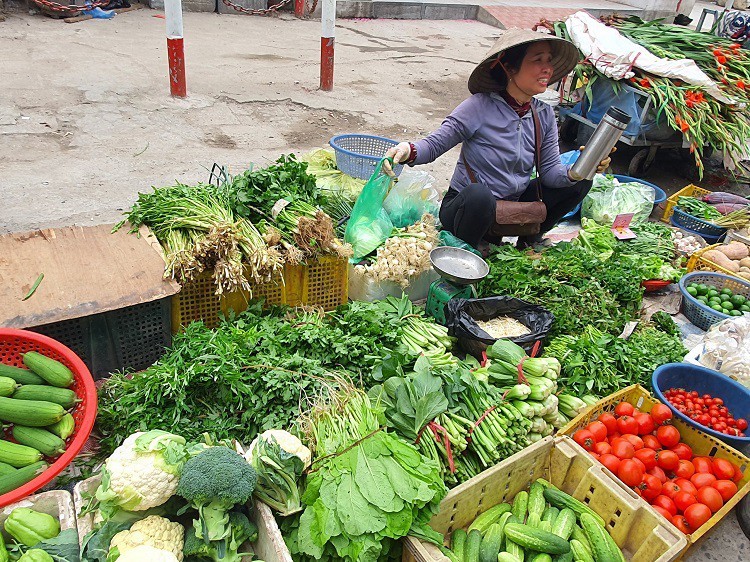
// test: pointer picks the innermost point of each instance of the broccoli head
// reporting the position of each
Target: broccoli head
(214, 481)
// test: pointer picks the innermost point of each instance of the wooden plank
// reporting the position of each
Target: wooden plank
(87, 270)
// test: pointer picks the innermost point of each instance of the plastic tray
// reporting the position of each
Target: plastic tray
(636, 528)
(15, 342)
(57, 503)
(321, 283)
(698, 313)
(698, 263)
(357, 155)
(684, 220)
(687, 191)
(269, 547)
(701, 443)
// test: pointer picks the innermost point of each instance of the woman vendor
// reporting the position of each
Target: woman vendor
(501, 143)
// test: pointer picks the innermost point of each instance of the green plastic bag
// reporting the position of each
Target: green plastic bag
(448, 239)
(369, 225)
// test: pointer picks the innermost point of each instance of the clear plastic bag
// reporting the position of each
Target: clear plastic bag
(369, 225)
(412, 196)
(609, 198)
(726, 348)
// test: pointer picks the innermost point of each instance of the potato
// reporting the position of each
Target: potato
(734, 250)
(745, 262)
(719, 258)
(744, 269)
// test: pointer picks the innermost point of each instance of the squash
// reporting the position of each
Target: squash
(721, 259)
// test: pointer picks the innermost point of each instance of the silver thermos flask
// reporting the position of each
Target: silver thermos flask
(606, 135)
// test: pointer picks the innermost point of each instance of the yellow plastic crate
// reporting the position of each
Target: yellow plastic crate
(687, 191)
(701, 443)
(321, 283)
(639, 531)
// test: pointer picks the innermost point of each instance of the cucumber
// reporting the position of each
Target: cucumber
(580, 552)
(458, 544)
(536, 539)
(5, 468)
(449, 554)
(567, 557)
(561, 500)
(563, 526)
(490, 547)
(507, 557)
(599, 539)
(63, 396)
(7, 386)
(545, 526)
(581, 537)
(520, 505)
(533, 520)
(10, 482)
(53, 372)
(514, 549)
(42, 440)
(537, 503)
(541, 557)
(505, 518)
(64, 428)
(31, 413)
(483, 522)
(473, 543)
(21, 376)
(18, 455)
(550, 514)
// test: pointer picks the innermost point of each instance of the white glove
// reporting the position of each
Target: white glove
(399, 153)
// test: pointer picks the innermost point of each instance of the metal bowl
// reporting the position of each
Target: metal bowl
(459, 266)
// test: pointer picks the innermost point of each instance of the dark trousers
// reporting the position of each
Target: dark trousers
(470, 214)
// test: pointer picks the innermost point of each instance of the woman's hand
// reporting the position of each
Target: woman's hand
(604, 164)
(399, 153)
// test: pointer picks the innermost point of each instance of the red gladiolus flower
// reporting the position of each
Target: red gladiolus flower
(740, 84)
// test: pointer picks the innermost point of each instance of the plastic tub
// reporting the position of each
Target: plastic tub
(704, 381)
(357, 155)
(15, 342)
(700, 314)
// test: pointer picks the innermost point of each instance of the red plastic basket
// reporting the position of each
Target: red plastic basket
(15, 342)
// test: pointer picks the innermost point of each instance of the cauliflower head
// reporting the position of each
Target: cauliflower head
(145, 553)
(143, 472)
(155, 531)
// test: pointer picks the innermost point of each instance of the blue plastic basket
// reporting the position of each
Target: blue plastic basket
(684, 220)
(700, 314)
(707, 237)
(357, 155)
(704, 381)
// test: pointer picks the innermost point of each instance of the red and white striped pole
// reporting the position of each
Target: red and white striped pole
(327, 40)
(299, 8)
(175, 48)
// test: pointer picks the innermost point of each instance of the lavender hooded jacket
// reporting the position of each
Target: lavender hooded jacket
(498, 145)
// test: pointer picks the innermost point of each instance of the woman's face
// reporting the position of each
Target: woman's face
(536, 69)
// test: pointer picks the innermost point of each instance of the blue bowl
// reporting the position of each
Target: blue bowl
(659, 195)
(704, 381)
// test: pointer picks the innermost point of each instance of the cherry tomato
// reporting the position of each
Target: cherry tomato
(670, 489)
(659, 473)
(667, 460)
(623, 449)
(651, 442)
(647, 457)
(645, 424)
(627, 425)
(683, 451)
(683, 500)
(650, 487)
(711, 497)
(737, 474)
(598, 430)
(663, 512)
(741, 424)
(685, 469)
(723, 469)
(609, 421)
(661, 413)
(697, 514)
(702, 479)
(602, 448)
(610, 461)
(630, 473)
(584, 438)
(726, 488)
(703, 464)
(668, 435)
(681, 523)
(624, 409)
(666, 503)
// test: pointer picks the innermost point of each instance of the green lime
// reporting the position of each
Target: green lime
(704, 300)
(735, 313)
(726, 291)
(702, 289)
(717, 307)
(725, 311)
(727, 305)
(712, 293)
(725, 297)
(745, 308)
(692, 291)
(738, 300)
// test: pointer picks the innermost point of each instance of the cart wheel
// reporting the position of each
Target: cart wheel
(568, 130)
(641, 162)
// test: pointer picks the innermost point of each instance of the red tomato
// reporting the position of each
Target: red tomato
(627, 424)
(584, 438)
(723, 469)
(645, 424)
(667, 460)
(697, 514)
(661, 413)
(670, 489)
(659, 473)
(634, 440)
(614, 435)
(683, 500)
(683, 451)
(623, 449)
(686, 486)
(602, 448)
(611, 462)
(685, 469)
(666, 503)
(741, 424)
(610, 422)
(640, 464)
(663, 512)
(651, 442)
(703, 464)
(702, 479)
(737, 474)
(726, 488)
(624, 409)
(647, 457)
(668, 435)
(711, 497)
(681, 523)
(650, 487)
(598, 430)
(630, 473)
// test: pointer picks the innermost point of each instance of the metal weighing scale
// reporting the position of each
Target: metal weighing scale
(459, 269)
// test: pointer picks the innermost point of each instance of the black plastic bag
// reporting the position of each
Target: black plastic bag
(461, 316)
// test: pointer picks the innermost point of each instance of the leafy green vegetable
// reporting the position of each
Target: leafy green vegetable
(96, 542)
(64, 547)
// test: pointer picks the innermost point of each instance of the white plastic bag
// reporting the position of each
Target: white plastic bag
(411, 197)
(609, 198)
(726, 348)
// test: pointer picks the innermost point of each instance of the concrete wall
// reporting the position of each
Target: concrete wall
(653, 9)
